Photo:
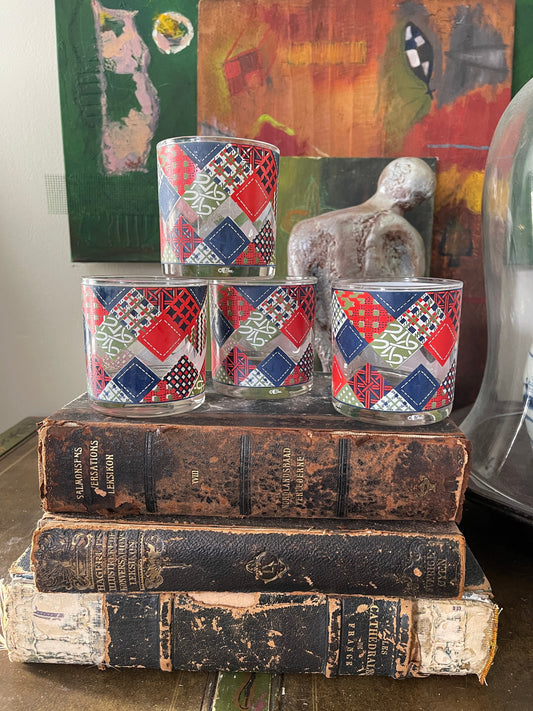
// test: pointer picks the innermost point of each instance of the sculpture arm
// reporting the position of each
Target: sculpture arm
(393, 247)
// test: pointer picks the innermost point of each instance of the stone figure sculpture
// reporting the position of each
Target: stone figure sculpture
(372, 239)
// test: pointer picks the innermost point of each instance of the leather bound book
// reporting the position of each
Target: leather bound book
(256, 632)
(315, 555)
(296, 458)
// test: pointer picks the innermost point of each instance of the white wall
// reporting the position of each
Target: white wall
(41, 339)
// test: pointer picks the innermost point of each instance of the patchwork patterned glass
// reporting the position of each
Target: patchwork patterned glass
(395, 349)
(262, 336)
(217, 206)
(145, 344)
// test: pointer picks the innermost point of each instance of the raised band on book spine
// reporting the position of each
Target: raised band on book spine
(342, 491)
(149, 484)
(245, 500)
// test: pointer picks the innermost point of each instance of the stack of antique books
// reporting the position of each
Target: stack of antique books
(251, 536)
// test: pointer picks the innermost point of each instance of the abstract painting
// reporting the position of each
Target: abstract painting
(127, 77)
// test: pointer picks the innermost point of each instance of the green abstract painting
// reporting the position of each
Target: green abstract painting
(127, 79)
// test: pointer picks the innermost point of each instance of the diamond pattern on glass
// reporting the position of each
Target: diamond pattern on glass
(276, 366)
(369, 385)
(393, 402)
(296, 328)
(257, 379)
(204, 195)
(278, 307)
(337, 315)
(134, 311)
(252, 197)
(418, 387)
(349, 341)
(227, 241)
(93, 310)
(203, 255)
(347, 395)
(182, 377)
(202, 182)
(112, 336)
(228, 168)
(395, 344)
(237, 366)
(136, 380)
(132, 355)
(161, 337)
(257, 330)
(422, 318)
(442, 342)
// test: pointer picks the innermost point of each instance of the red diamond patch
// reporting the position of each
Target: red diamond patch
(93, 311)
(161, 337)
(366, 315)
(296, 328)
(179, 168)
(233, 305)
(252, 197)
(441, 343)
(337, 377)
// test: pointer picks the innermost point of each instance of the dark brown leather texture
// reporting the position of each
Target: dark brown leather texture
(343, 557)
(294, 458)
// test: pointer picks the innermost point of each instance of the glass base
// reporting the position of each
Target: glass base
(245, 393)
(502, 455)
(396, 419)
(217, 270)
(148, 409)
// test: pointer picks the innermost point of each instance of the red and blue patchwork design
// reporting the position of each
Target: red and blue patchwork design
(395, 351)
(217, 203)
(262, 335)
(145, 344)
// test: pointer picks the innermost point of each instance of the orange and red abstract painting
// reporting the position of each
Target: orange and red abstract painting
(382, 78)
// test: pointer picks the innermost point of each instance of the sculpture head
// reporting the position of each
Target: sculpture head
(407, 182)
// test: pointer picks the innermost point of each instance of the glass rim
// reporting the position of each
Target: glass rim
(144, 281)
(264, 281)
(217, 139)
(398, 284)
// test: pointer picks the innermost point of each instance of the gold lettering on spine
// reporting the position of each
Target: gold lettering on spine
(93, 463)
(122, 561)
(300, 474)
(442, 572)
(350, 645)
(98, 561)
(373, 638)
(286, 478)
(78, 474)
(431, 571)
(132, 563)
(111, 561)
(110, 473)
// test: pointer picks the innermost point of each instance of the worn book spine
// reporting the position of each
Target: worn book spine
(241, 465)
(70, 553)
(255, 632)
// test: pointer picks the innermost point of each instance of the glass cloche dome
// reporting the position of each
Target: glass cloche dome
(500, 424)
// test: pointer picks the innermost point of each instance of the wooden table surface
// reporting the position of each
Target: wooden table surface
(502, 545)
